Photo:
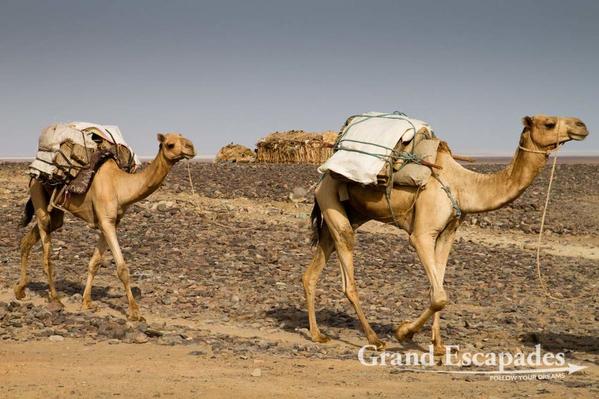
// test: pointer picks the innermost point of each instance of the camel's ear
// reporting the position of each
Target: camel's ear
(160, 137)
(527, 121)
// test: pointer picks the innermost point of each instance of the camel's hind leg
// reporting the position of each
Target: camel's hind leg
(27, 242)
(92, 269)
(48, 223)
(310, 278)
(342, 233)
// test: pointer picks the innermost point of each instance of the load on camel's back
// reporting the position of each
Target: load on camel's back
(383, 149)
(69, 154)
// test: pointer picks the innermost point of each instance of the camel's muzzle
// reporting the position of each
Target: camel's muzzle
(578, 136)
(188, 151)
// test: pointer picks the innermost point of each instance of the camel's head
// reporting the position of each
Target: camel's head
(547, 131)
(175, 147)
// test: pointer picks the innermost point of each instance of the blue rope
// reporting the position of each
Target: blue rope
(391, 157)
(452, 199)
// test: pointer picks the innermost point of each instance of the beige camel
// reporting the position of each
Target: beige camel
(428, 216)
(112, 191)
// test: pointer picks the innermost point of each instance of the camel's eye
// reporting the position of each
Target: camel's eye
(170, 146)
(549, 125)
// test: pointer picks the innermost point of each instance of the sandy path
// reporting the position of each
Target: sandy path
(76, 369)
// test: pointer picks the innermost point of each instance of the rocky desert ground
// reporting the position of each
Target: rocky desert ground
(218, 274)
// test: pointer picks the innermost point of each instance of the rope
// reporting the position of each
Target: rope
(391, 156)
(452, 198)
(189, 177)
(543, 216)
(540, 238)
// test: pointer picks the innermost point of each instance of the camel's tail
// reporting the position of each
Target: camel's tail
(27, 214)
(317, 224)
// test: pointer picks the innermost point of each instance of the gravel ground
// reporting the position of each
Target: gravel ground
(230, 259)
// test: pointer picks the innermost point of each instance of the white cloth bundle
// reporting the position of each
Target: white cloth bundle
(77, 132)
(366, 143)
(109, 132)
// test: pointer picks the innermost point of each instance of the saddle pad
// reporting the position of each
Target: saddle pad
(366, 143)
(65, 149)
(110, 133)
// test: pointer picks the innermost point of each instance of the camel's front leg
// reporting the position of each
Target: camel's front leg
(92, 269)
(122, 271)
(442, 249)
(310, 278)
(425, 247)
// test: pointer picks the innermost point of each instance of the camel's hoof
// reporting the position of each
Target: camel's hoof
(403, 332)
(321, 338)
(19, 292)
(89, 307)
(55, 305)
(380, 345)
(439, 301)
(439, 350)
(135, 316)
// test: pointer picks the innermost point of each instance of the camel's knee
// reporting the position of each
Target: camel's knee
(351, 293)
(94, 263)
(43, 219)
(122, 271)
(417, 239)
(92, 269)
(438, 305)
(29, 239)
(26, 244)
(25, 248)
(439, 302)
(307, 279)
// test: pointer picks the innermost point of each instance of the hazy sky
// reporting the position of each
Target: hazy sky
(227, 71)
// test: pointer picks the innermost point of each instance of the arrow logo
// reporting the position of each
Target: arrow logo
(571, 369)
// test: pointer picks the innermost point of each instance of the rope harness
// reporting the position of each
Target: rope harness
(545, 206)
(392, 157)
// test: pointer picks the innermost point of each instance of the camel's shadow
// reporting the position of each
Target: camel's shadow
(99, 294)
(294, 318)
(557, 342)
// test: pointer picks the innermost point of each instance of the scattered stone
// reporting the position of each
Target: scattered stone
(136, 291)
(56, 338)
(257, 372)
(140, 338)
(151, 332)
(55, 306)
(170, 339)
(299, 194)
(76, 298)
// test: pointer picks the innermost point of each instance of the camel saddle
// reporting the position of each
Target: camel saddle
(70, 154)
(383, 150)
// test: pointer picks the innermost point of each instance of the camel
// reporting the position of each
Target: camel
(429, 216)
(111, 192)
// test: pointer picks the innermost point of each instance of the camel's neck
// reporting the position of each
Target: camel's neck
(480, 192)
(136, 187)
